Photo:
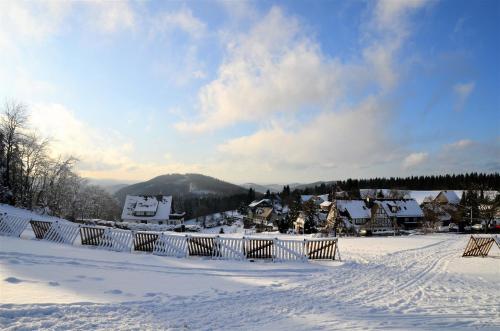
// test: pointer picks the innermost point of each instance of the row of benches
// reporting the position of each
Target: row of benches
(176, 245)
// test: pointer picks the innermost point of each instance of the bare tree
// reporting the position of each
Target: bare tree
(12, 122)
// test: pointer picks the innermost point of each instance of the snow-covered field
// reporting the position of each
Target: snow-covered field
(417, 282)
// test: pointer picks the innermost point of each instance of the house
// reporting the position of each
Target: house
(350, 214)
(260, 203)
(262, 214)
(325, 206)
(355, 211)
(318, 199)
(447, 198)
(406, 213)
(436, 214)
(299, 223)
(379, 215)
(150, 209)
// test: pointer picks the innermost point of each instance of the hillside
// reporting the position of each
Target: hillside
(312, 185)
(261, 188)
(181, 185)
(273, 188)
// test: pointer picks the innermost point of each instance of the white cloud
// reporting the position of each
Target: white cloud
(385, 33)
(336, 144)
(462, 92)
(111, 16)
(36, 21)
(461, 144)
(30, 20)
(392, 15)
(275, 68)
(182, 19)
(275, 72)
(415, 159)
(239, 10)
(102, 154)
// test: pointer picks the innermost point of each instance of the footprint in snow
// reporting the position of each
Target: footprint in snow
(114, 292)
(150, 294)
(13, 280)
(53, 283)
(14, 261)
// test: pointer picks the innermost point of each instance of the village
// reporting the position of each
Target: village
(394, 212)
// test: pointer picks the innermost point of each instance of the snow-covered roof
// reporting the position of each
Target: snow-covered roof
(258, 202)
(326, 204)
(451, 197)
(355, 208)
(161, 206)
(307, 197)
(401, 208)
(146, 205)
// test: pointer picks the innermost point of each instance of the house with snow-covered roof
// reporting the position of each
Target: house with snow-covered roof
(355, 210)
(318, 199)
(150, 209)
(377, 216)
(447, 197)
(405, 212)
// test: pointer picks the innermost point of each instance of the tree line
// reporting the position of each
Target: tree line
(31, 178)
(467, 181)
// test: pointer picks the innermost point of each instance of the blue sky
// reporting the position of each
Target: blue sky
(269, 92)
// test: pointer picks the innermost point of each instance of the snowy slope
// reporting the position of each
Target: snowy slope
(417, 283)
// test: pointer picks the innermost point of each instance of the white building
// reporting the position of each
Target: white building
(150, 209)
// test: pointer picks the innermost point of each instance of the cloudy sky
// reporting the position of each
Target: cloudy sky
(269, 92)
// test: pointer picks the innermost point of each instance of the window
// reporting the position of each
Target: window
(160, 222)
(144, 222)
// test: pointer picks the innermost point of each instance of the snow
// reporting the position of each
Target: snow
(307, 197)
(404, 208)
(256, 203)
(24, 213)
(401, 283)
(161, 208)
(326, 204)
(419, 196)
(356, 208)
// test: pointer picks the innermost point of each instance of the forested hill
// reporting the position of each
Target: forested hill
(182, 185)
(194, 194)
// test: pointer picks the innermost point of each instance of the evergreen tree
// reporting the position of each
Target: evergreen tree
(250, 195)
(310, 213)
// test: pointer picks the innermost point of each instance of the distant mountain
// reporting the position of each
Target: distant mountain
(273, 188)
(185, 185)
(312, 185)
(110, 185)
(112, 189)
(262, 188)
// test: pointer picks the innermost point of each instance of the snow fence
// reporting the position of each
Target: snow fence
(170, 244)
